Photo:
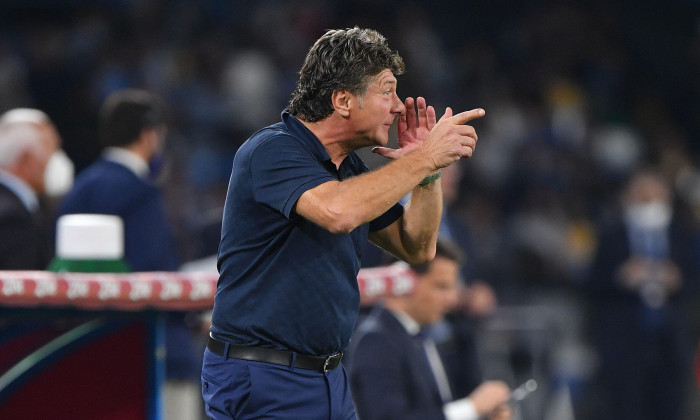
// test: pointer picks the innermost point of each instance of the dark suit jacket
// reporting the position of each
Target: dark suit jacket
(107, 187)
(390, 377)
(637, 344)
(24, 240)
(619, 307)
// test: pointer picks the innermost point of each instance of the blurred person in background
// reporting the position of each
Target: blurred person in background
(132, 128)
(395, 369)
(299, 205)
(457, 331)
(646, 266)
(32, 167)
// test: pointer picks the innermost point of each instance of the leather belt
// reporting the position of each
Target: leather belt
(275, 356)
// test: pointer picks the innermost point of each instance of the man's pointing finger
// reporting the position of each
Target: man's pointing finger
(465, 116)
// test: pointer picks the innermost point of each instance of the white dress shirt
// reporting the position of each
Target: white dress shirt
(129, 159)
(21, 189)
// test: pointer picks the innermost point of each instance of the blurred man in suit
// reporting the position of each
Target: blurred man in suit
(132, 130)
(31, 165)
(395, 369)
(645, 270)
(121, 182)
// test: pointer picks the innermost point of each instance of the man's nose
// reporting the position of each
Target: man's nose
(399, 107)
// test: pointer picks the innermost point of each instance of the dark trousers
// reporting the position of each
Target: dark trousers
(240, 389)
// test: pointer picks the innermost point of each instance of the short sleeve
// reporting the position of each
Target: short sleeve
(282, 169)
(389, 217)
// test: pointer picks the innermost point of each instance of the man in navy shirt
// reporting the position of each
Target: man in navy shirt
(299, 204)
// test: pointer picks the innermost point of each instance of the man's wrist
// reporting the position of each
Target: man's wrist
(430, 179)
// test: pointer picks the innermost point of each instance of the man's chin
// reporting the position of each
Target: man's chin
(382, 139)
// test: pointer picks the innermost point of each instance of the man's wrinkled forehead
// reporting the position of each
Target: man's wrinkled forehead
(383, 80)
(385, 77)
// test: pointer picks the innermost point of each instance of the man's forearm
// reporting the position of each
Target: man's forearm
(421, 220)
(342, 206)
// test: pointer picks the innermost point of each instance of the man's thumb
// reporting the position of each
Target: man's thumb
(447, 114)
(387, 152)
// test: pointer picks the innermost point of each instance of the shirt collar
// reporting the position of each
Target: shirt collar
(300, 131)
(409, 324)
(129, 159)
(21, 189)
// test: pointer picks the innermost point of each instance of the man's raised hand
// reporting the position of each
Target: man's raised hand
(412, 128)
(444, 141)
(450, 139)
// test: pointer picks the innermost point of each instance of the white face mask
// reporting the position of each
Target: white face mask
(652, 215)
(58, 176)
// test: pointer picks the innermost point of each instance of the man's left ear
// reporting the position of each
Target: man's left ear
(341, 102)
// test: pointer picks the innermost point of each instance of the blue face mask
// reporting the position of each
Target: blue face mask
(157, 161)
(156, 164)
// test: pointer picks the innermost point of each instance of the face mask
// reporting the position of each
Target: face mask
(156, 165)
(648, 216)
(58, 175)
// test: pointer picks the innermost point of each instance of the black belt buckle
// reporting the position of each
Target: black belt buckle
(332, 362)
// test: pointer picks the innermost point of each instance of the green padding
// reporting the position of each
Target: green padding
(89, 266)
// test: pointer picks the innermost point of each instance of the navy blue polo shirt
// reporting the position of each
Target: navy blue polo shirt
(284, 281)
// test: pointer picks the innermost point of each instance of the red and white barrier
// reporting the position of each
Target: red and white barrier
(157, 290)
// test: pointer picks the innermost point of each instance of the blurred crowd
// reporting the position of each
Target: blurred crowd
(579, 96)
